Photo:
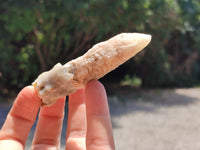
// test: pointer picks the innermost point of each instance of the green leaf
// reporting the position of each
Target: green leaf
(125, 4)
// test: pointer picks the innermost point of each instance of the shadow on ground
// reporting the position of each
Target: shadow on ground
(125, 100)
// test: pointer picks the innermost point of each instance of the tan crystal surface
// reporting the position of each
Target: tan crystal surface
(102, 58)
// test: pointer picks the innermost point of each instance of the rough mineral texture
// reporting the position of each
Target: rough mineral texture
(102, 58)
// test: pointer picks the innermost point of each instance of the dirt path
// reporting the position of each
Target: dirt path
(163, 120)
(150, 120)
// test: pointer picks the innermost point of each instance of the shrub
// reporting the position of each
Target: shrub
(37, 34)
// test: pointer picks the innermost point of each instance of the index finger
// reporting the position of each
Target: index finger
(21, 116)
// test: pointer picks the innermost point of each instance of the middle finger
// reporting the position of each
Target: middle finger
(48, 130)
(76, 126)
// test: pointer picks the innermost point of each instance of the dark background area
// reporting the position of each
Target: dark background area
(35, 35)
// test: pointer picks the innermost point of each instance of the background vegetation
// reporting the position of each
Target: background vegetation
(34, 35)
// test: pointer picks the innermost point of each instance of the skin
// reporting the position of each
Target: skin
(89, 125)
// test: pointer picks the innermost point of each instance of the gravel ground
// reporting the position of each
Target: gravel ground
(150, 120)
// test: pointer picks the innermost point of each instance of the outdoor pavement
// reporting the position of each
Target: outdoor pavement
(150, 120)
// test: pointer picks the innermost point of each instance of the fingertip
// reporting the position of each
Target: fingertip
(26, 104)
(77, 98)
(94, 84)
(96, 98)
(95, 88)
(29, 93)
(56, 110)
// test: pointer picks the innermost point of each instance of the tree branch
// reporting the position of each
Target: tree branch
(38, 51)
(60, 23)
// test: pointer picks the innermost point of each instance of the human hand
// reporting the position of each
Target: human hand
(89, 125)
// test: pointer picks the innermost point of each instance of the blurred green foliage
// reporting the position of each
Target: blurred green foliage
(34, 35)
(131, 81)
